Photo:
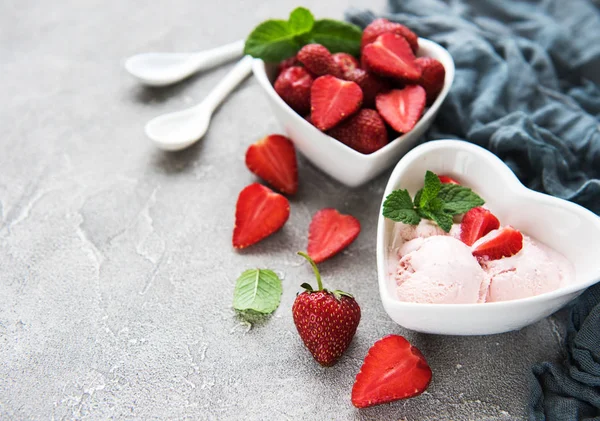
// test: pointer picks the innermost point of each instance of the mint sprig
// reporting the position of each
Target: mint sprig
(275, 40)
(258, 290)
(435, 201)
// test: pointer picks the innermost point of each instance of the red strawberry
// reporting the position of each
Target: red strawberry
(326, 320)
(432, 77)
(381, 26)
(293, 86)
(447, 180)
(345, 63)
(364, 132)
(318, 60)
(393, 369)
(332, 100)
(476, 223)
(259, 212)
(390, 55)
(273, 159)
(288, 62)
(370, 84)
(504, 242)
(329, 233)
(402, 108)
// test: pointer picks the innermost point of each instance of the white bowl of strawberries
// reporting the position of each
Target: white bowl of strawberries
(354, 120)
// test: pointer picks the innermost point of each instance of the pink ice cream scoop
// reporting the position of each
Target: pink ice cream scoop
(534, 270)
(439, 270)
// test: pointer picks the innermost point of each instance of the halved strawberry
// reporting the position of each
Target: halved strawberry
(393, 369)
(381, 26)
(432, 77)
(345, 63)
(402, 108)
(259, 212)
(447, 180)
(390, 55)
(476, 223)
(318, 60)
(504, 242)
(329, 233)
(364, 132)
(370, 84)
(332, 100)
(293, 86)
(273, 158)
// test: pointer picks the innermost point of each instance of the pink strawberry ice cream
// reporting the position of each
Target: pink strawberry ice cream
(429, 265)
(534, 270)
(439, 270)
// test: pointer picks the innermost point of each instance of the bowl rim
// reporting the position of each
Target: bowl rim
(509, 177)
(259, 70)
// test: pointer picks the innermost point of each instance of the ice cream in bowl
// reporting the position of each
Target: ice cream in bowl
(463, 248)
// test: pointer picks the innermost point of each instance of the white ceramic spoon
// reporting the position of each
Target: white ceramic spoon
(161, 69)
(178, 130)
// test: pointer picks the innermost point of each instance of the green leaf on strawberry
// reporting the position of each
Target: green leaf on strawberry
(276, 40)
(258, 290)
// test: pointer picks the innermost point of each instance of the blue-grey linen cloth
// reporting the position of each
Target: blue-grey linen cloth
(527, 87)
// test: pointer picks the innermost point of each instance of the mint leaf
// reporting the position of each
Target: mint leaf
(301, 21)
(431, 188)
(435, 205)
(272, 40)
(417, 199)
(458, 199)
(424, 213)
(337, 36)
(258, 290)
(443, 220)
(398, 206)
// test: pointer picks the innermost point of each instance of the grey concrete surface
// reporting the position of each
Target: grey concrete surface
(116, 265)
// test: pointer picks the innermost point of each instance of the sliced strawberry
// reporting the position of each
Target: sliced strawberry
(504, 242)
(259, 212)
(364, 132)
(393, 369)
(345, 63)
(318, 60)
(432, 77)
(476, 223)
(273, 159)
(390, 55)
(447, 180)
(381, 26)
(333, 100)
(370, 84)
(402, 108)
(293, 86)
(329, 233)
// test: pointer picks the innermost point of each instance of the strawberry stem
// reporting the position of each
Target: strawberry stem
(315, 270)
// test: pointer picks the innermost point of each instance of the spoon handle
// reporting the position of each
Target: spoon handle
(228, 83)
(216, 56)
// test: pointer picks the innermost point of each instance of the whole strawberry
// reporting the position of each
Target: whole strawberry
(326, 320)
(318, 60)
(293, 86)
(432, 77)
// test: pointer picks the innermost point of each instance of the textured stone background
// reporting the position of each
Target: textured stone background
(116, 267)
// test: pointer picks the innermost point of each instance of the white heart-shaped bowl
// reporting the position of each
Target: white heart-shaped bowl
(341, 162)
(568, 228)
